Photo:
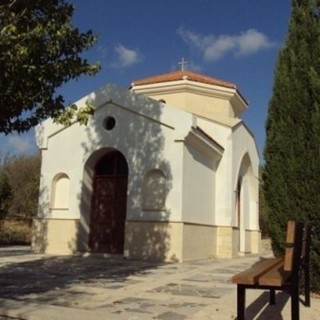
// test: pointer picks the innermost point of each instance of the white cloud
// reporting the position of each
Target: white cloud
(126, 57)
(214, 48)
(217, 48)
(252, 41)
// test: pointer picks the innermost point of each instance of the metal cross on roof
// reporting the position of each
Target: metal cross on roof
(183, 64)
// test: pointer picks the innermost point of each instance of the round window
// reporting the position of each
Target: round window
(109, 123)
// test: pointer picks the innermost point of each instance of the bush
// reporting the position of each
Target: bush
(23, 177)
(14, 232)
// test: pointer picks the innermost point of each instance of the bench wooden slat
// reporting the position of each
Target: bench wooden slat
(276, 276)
(289, 252)
(251, 275)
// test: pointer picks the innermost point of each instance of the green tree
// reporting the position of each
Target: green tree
(263, 213)
(291, 179)
(5, 194)
(39, 51)
(23, 176)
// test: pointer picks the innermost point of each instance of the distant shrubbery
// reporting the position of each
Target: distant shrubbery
(19, 191)
(14, 232)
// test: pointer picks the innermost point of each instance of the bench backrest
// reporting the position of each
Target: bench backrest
(294, 245)
(290, 246)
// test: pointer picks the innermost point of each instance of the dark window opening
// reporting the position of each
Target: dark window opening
(109, 123)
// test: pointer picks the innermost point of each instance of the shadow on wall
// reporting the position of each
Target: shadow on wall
(39, 239)
(138, 135)
(149, 240)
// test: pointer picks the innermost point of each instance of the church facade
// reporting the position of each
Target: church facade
(166, 170)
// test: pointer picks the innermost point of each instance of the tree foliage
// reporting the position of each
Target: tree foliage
(291, 179)
(263, 212)
(19, 187)
(39, 51)
(5, 194)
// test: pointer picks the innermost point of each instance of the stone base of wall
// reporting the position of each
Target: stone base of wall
(199, 242)
(228, 242)
(169, 241)
(254, 239)
(153, 240)
(55, 236)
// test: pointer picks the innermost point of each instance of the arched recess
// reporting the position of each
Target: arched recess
(245, 200)
(109, 203)
(60, 192)
(154, 191)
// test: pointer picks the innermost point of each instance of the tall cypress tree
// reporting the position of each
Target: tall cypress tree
(291, 180)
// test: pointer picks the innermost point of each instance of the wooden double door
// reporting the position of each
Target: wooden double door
(109, 204)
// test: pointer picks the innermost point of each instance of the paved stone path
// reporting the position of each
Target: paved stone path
(98, 287)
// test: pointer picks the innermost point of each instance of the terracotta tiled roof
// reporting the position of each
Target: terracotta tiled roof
(182, 75)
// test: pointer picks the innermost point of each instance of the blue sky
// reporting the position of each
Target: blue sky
(232, 40)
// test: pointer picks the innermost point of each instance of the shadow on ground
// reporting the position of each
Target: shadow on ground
(45, 279)
(264, 310)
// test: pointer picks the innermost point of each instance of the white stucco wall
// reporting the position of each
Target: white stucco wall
(201, 167)
(237, 142)
(198, 187)
(221, 132)
(145, 133)
(196, 97)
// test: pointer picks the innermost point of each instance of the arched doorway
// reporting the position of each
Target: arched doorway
(108, 206)
(239, 209)
(245, 204)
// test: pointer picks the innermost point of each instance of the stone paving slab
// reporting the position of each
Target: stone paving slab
(100, 287)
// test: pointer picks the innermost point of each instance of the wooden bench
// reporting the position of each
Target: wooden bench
(280, 273)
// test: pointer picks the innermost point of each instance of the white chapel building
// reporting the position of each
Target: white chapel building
(165, 170)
